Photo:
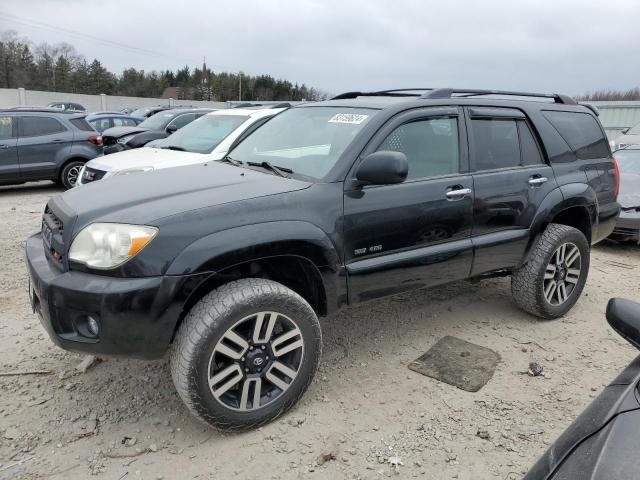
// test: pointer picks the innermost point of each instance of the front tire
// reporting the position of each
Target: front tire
(551, 282)
(245, 353)
(70, 173)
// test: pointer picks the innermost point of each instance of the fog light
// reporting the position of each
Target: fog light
(92, 326)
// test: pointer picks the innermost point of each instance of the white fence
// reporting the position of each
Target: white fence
(13, 97)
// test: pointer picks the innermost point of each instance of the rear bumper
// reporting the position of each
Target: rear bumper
(137, 316)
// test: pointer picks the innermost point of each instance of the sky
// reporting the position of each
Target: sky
(549, 46)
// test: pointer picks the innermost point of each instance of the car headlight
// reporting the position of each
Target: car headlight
(108, 245)
(125, 139)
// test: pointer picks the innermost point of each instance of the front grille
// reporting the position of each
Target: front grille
(92, 174)
(52, 231)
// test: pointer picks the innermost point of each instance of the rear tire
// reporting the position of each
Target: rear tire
(255, 335)
(551, 282)
(70, 173)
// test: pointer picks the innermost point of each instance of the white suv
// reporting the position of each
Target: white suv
(208, 138)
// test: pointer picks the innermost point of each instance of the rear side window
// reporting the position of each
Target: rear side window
(81, 124)
(35, 126)
(581, 132)
(7, 128)
(124, 122)
(431, 146)
(496, 143)
(528, 145)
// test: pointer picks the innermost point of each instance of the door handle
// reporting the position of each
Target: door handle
(536, 181)
(458, 193)
(57, 140)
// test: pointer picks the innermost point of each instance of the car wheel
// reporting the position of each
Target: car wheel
(70, 173)
(245, 353)
(551, 282)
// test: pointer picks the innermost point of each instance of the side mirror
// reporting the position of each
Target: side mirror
(172, 129)
(625, 130)
(624, 317)
(383, 168)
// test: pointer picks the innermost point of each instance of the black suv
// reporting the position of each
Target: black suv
(45, 144)
(229, 264)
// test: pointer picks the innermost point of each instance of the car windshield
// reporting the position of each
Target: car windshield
(204, 134)
(306, 140)
(628, 161)
(159, 121)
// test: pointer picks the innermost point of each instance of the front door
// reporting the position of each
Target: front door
(416, 233)
(510, 180)
(9, 166)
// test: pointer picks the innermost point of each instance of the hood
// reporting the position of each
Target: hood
(145, 197)
(146, 157)
(629, 196)
(117, 132)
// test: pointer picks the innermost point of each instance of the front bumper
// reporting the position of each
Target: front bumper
(628, 226)
(137, 316)
(114, 148)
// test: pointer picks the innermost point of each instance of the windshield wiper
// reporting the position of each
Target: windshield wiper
(281, 171)
(232, 161)
(174, 147)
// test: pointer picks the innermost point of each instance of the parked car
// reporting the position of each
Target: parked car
(601, 444)
(205, 139)
(67, 106)
(160, 125)
(103, 121)
(628, 224)
(229, 264)
(146, 112)
(45, 144)
(628, 137)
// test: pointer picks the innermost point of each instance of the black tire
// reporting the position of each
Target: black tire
(69, 174)
(528, 282)
(206, 324)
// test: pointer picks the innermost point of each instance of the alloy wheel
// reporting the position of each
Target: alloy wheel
(255, 361)
(562, 274)
(72, 174)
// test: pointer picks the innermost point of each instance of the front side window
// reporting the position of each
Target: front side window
(307, 140)
(7, 128)
(159, 121)
(183, 120)
(431, 146)
(35, 126)
(204, 134)
(581, 132)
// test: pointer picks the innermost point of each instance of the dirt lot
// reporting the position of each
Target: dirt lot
(365, 405)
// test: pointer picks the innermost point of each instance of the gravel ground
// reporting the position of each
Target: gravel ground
(122, 418)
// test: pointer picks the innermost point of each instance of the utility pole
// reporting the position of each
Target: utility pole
(240, 86)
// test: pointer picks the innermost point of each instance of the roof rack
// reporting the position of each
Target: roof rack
(440, 93)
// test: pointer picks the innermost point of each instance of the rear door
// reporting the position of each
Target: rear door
(510, 179)
(417, 233)
(9, 165)
(43, 143)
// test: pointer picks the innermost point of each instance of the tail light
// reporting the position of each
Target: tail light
(617, 173)
(96, 139)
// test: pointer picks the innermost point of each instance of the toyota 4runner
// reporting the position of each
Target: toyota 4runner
(229, 264)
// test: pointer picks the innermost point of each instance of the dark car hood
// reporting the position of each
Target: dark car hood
(583, 450)
(146, 197)
(629, 196)
(117, 132)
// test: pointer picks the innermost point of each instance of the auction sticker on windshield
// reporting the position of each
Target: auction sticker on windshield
(352, 118)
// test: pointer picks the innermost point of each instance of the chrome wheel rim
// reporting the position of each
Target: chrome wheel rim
(562, 274)
(72, 174)
(255, 361)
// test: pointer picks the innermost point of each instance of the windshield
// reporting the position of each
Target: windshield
(159, 121)
(306, 140)
(628, 161)
(204, 134)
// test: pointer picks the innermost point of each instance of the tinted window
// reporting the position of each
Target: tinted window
(431, 146)
(495, 143)
(34, 126)
(81, 124)
(7, 128)
(529, 146)
(124, 122)
(581, 132)
(183, 120)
